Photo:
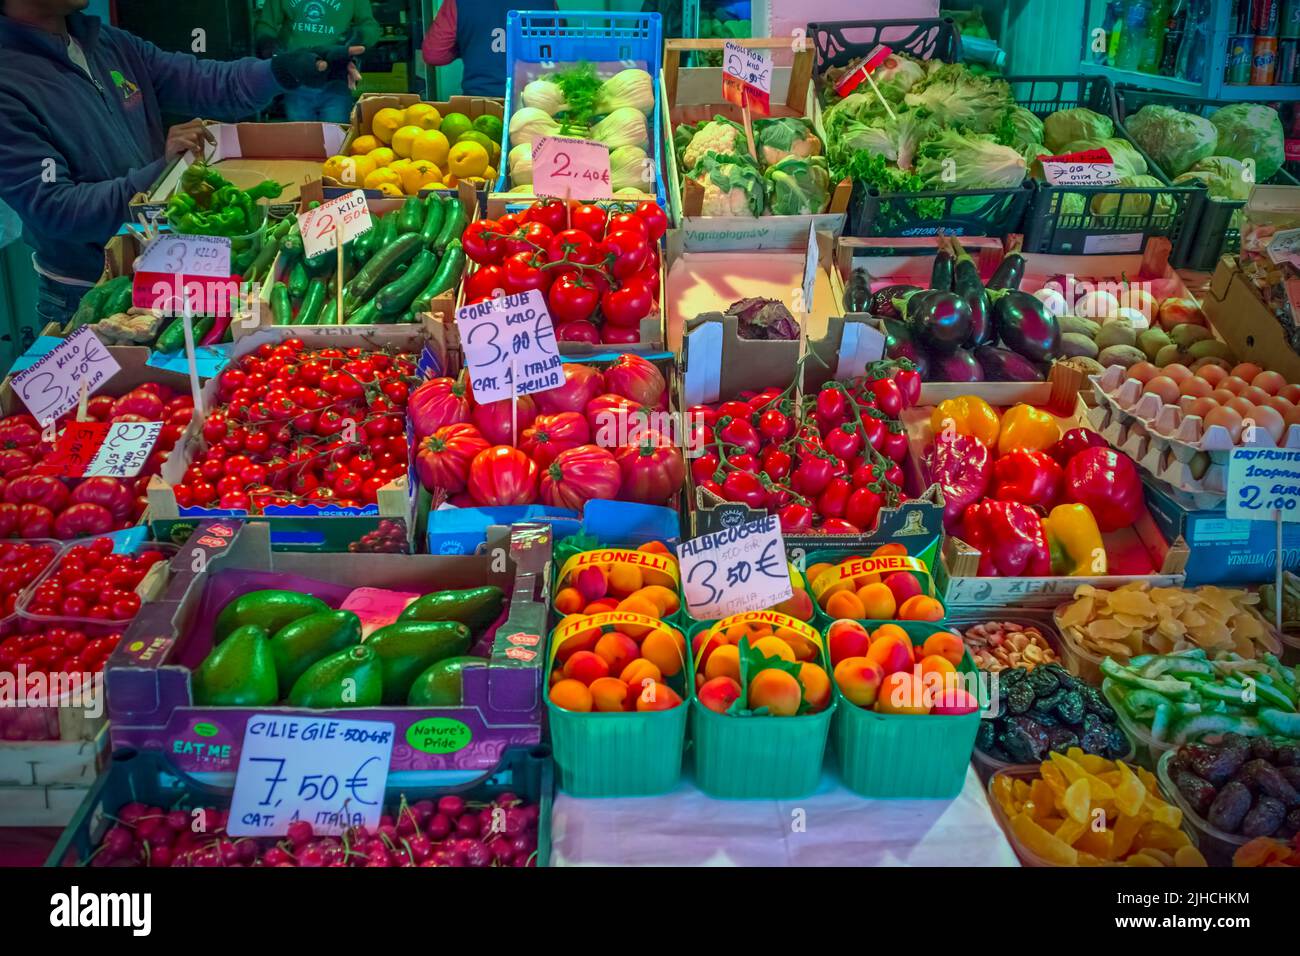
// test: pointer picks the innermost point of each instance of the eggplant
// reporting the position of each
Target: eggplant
(1025, 326)
(941, 271)
(941, 322)
(857, 294)
(1010, 270)
(900, 344)
(882, 300)
(958, 366)
(1003, 365)
(966, 283)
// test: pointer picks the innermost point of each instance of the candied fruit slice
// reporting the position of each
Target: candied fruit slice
(1188, 856)
(1069, 830)
(1126, 830)
(1070, 770)
(1100, 843)
(1159, 836)
(1077, 801)
(1002, 793)
(1042, 843)
(1142, 859)
(1129, 794)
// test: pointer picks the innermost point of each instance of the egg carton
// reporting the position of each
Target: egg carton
(1131, 436)
(1185, 436)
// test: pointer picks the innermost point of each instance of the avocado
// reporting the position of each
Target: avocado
(441, 684)
(408, 648)
(1125, 355)
(351, 678)
(301, 643)
(269, 609)
(239, 672)
(476, 608)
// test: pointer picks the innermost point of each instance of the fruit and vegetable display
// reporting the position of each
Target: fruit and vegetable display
(305, 427)
(391, 273)
(449, 831)
(890, 672)
(407, 152)
(597, 267)
(1050, 815)
(577, 101)
(762, 664)
(35, 502)
(208, 204)
(1047, 710)
(786, 175)
(273, 646)
(1243, 787)
(827, 462)
(999, 645)
(1229, 151)
(594, 437)
(1181, 696)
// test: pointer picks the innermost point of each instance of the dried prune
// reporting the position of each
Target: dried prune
(1024, 740)
(1179, 762)
(1288, 755)
(1062, 739)
(984, 736)
(1020, 697)
(1197, 791)
(1263, 748)
(1012, 675)
(997, 753)
(1069, 707)
(1264, 818)
(1269, 780)
(1095, 703)
(1095, 738)
(1045, 719)
(1215, 764)
(1230, 807)
(1292, 775)
(1117, 744)
(1046, 703)
(1064, 678)
(1044, 681)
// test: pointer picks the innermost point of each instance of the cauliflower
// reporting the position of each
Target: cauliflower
(732, 186)
(719, 135)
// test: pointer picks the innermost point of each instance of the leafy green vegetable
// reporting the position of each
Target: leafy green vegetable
(956, 160)
(1223, 176)
(798, 186)
(1070, 125)
(1174, 139)
(731, 183)
(953, 96)
(787, 136)
(1249, 131)
(580, 85)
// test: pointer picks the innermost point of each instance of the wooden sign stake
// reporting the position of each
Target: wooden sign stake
(81, 403)
(187, 322)
(338, 275)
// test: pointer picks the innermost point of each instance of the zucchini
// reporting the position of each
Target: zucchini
(264, 258)
(172, 338)
(368, 314)
(291, 247)
(312, 302)
(298, 280)
(322, 264)
(444, 277)
(281, 310)
(397, 295)
(410, 218)
(382, 267)
(453, 224)
(435, 213)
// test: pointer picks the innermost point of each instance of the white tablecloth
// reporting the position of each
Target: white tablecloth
(686, 828)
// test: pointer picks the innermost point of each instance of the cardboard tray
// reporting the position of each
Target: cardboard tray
(1256, 334)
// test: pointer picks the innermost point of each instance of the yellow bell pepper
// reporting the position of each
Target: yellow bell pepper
(1075, 541)
(1026, 428)
(966, 415)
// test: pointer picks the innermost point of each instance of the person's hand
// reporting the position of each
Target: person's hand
(315, 68)
(187, 138)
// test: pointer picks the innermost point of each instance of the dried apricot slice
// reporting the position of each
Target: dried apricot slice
(1078, 801)
(1070, 830)
(1129, 793)
(1042, 843)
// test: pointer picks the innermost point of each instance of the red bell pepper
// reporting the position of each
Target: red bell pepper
(1107, 482)
(44, 490)
(1030, 477)
(117, 496)
(1073, 442)
(81, 519)
(1009, 537)
(962, 466)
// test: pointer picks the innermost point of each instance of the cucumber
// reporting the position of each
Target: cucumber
(281, 310)
(172, 338)
(368, 314)
(312, 302)
(298, 280)
(382, 267)
(322, 264)
(264, 258)
(397, 295)
(117, 299)
(434, 215)
(453, 224)
(445, 277)
(410, 218)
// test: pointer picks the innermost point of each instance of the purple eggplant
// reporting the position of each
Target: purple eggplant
(957, 366)
(941, 321)
(966, 283)
(1003, 365)
(882, 302)
(899, 344)
(1025, 326)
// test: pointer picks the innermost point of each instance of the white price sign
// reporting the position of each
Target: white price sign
(52, 384)
(205, 257)
(735, 570)
(578, 168)
(810, 261)
(327, 771)
(1264, 484)
(1080, 174)
(344, 218)
(510, 339)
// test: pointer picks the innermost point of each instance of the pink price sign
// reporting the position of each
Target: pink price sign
(341, 219)
(577, 168)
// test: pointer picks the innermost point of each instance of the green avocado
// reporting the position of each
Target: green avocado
(476, 608)
(239, 672)
(351, 678)
(301, 643)
(408, 648)
(440, 685)
(270, 610)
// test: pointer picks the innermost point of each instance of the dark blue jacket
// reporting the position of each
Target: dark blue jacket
(74, 150)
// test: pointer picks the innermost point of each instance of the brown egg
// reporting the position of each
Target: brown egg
(1271, 382)
(1163, 386)
(1246, 370)
(1222, 396)
(1292, 417)
(1255, 394)
(1197, 387)
(1227, 418)
(1234, 384)
(1179, 373)
(1143, 372)
(1212, 374)
(1201, 407)
(1291, 393)
(1279, 403)
(1270, 420)
(1241, 406)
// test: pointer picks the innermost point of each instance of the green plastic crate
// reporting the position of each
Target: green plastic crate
(635, 754)
(757, 758)
(918, 756)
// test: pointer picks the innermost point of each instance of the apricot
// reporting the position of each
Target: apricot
(624, 579)
(666, 649)
(665, 599)
(877, 601)
(839, 587)
(704, 644)
(774, 647)
(718, 694)
(724, 662)
(945, 644)
(601, 606)
(845, 639)
(776, 690)
(639, 671)
(617, 650)
(804, 649)
(886, 550)
(885, 630)
(609, 695)
(954, 700)
(571, 695)
(657, 697)
(934, 664)
(649, 575)
(586, 667)
(891, 653)
(816, 685)
(636, 605)
(814, 571)
(845, 604)
(903, 584)
(859, 680)
(582, 641)
(920, 608)
(901, 693)
(799, 605)
(557, 675)
(655, 547)
(568, 601)
(590, 583)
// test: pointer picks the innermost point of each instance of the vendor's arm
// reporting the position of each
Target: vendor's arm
(270, 22)
(365, 28)
(439, 47)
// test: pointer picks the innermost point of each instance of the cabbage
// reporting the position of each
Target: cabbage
(954, 96)
(1067, 126)
(1249, 131)
(1174, 139)
(530, 124)
(520, 162)
(630, 168)
(545, 95)
(797, 186)
(764, 319)
(1108, 204)
(901, 70)
(1027, 129)
(623, 127)
(955, 160)
(896, 140)
(863, 107)
(778, 138)
(627, 88)
(731, 184)
(1223, 176)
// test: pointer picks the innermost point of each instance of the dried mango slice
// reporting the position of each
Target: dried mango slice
(1002, 793)
(1077, 801)
(1159, 836)
(1141, 859)
(1020, 789)
(1189, 856)
(1148, 779)
(1078, 613)
(1052, 774)
(1129, 794)
(1069, 830)
(1042, 797)
(1042, 843)
(1126, 830)
(1165, 813)
(1069, 769)
(1160, 856)
(1099, 843)
(1090, 762)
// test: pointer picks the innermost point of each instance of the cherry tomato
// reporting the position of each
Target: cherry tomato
(775, 426)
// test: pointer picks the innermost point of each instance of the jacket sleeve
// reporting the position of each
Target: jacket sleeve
(439, 47)
(212, 89)
(39, 185)
(365, 28)
(266, 35)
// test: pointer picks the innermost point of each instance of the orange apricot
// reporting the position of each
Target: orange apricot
(893, 548)
(774, 647)
(934, 664)
(890, 630)
(955, 701)
(581, 641)
(617, 650)
(586, 667)
(804, 649)
(816, 685)
(799, 605)
(846, 638)
(624, 579)
(657, 697)
(568, 601)
(724, 662)
(845, 604)
(609, 695)
(639, 671)
(921, 608)
(571, 695)
(946, 644)
(859, 680)
(666, 649)
(903, 584)
(776, 690)
(655, 547)
(557, 675)
(815, 570)
(636, 605)
(877, 602)
(718, 694)
(902, 693)
(600, 606)
(665, 599)
(891, 653)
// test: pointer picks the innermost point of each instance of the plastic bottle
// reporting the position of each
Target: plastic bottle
(1196, 42)
(1131, 39)
(1112, 25)
(1153, 37)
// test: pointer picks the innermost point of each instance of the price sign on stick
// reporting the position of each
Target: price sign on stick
(1264, 485)
(510, 340)
(326, 771)
(851, 80)
(115, 449)
(734, 570)
(1092, 167)
(339, 220)
(577, 168)
(174, 267)
(747, 77)
(52, 384)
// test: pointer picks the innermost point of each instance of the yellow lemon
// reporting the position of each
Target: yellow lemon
(467, 159)
(364, 144)
(333, 168)
(431, 145)
(417, 174)
(382, 156)
(423, 115)
(404, 138)
(387, 122)
(490, 174)
(379, 177)
(388, 189)
(364, 166)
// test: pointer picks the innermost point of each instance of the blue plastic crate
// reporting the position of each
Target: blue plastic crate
(556, 40)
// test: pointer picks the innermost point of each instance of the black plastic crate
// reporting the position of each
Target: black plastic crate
(839, 42)
(1213, 228)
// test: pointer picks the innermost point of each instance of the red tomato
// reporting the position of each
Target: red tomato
(590, 219)
(631, 252)
(523, 271)
(549, 212)
(626, 306)
(484, 282)
(503, 476)
(628, 221)
(481, 242)
(655, 219)
(573, 244)
(571, 299)
(529, 237)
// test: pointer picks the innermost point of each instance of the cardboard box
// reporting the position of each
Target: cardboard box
(246, 154)
(695, 93)
(1255, 332)
(149, 675)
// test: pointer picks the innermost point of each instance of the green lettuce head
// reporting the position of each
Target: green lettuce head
(954, 160)
(1223, 176)
(1174, 139)
(1068, 126)
(1249, 131)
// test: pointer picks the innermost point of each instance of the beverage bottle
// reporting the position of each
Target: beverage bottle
(1134, 30)
(1113, 25)
(1194, 49)
(1175, 32)
(1153, 37)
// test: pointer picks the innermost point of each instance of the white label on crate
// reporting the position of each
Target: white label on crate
(1117, 243)
(578, 168)
(51, 385)
(348, 217)
(738, 569)
(1264, 484)
(327, 771)
(510, 338)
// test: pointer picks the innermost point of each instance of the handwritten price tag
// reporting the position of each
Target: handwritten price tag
(1092, 167)
(734, 570)
(51, 385)
(196, 256)
(320, 227)
(117, 449)
(578, 167)
(328, 772)
(510, 338)
(747, 77)
(172, 269)
(1263, 484)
